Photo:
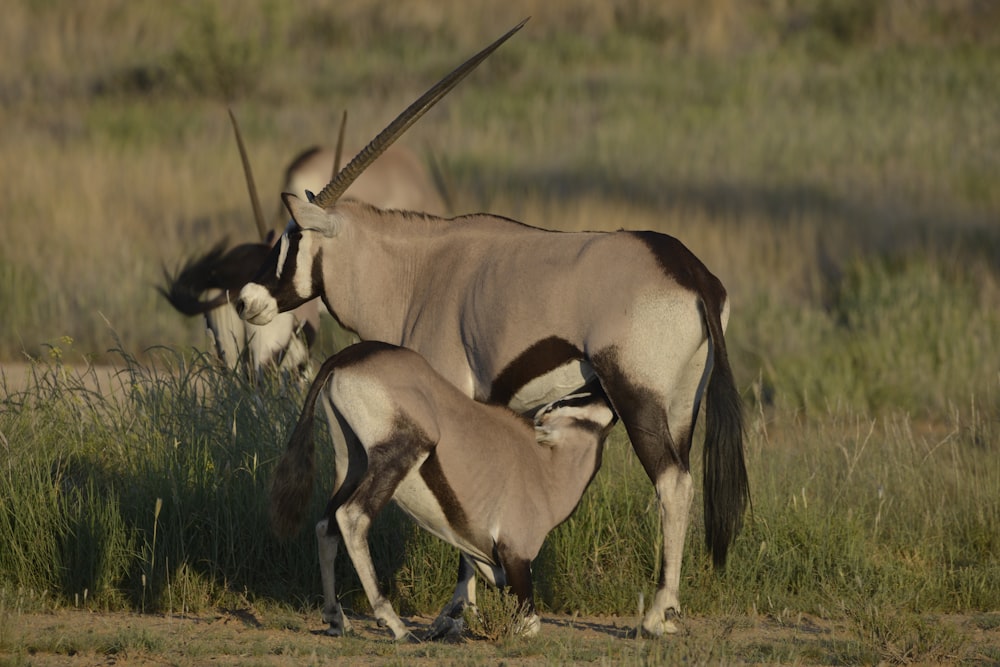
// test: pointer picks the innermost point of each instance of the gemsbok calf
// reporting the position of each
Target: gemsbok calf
(478, 476)
(520, 316)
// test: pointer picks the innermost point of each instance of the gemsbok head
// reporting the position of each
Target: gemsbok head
(478, 476)
(207, 285)
(520, 316)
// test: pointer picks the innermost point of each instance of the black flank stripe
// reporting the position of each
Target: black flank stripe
(542, 357)
(435, 480)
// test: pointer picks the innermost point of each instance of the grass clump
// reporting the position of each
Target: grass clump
(497, 616)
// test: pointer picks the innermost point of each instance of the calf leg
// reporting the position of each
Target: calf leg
(517, 572)
(450, 622)
(354, 524)
(388, 464)
(333, 613)
(350, 465)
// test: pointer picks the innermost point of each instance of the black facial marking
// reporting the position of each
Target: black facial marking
(216, 269)
(544, 356)
(283, 288)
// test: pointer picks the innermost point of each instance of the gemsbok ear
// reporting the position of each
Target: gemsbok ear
(310, 216)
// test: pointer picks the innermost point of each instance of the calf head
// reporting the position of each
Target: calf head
(583, 417)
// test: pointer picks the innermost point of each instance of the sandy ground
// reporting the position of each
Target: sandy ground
(245, 637)
(17, 375)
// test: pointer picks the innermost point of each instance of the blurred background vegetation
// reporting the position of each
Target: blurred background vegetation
(835, 162)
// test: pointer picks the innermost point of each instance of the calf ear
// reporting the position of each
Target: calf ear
(543, 435)
(310, 216)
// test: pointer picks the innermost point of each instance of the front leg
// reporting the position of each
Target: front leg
(450, 622)
(517, 571)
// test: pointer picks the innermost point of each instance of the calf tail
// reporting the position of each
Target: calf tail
(292, 486)
(726, 489)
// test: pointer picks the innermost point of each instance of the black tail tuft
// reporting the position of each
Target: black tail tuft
(725, 484)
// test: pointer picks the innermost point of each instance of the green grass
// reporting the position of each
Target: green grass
(155, 499)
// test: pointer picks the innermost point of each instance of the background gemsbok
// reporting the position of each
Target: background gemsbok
(517, 315)
(207, 284)
(398, 179)
(412, 437)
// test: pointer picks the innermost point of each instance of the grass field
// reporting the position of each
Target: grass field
(834, 162)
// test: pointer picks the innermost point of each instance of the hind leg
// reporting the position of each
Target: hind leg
(350, 464)
(660, 433)
(389, 463)
(354, 523)
(333, 613)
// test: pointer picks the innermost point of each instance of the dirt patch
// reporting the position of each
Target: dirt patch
(245, 636)
(17, 376)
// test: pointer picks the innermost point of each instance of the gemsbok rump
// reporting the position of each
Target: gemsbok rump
(520, 316)
(478, 476)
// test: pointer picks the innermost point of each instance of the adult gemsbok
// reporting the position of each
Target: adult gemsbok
(517, 315)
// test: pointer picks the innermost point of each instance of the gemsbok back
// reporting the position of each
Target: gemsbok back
(478, 476)
(520, 316)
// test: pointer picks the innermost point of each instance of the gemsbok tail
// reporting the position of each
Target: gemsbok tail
(726, 489)
(184, 290)
(292, 486)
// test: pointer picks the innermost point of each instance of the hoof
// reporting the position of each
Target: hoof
(445, 628)
(337, 630)
(338, 623)
(657, 627)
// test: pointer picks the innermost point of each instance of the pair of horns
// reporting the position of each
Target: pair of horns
(344, 177)
(258, 214)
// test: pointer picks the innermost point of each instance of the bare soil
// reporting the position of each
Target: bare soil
(247, 637)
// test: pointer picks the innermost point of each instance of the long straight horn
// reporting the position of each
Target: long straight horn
(339, 153)
(251, 186)
(335, 188)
